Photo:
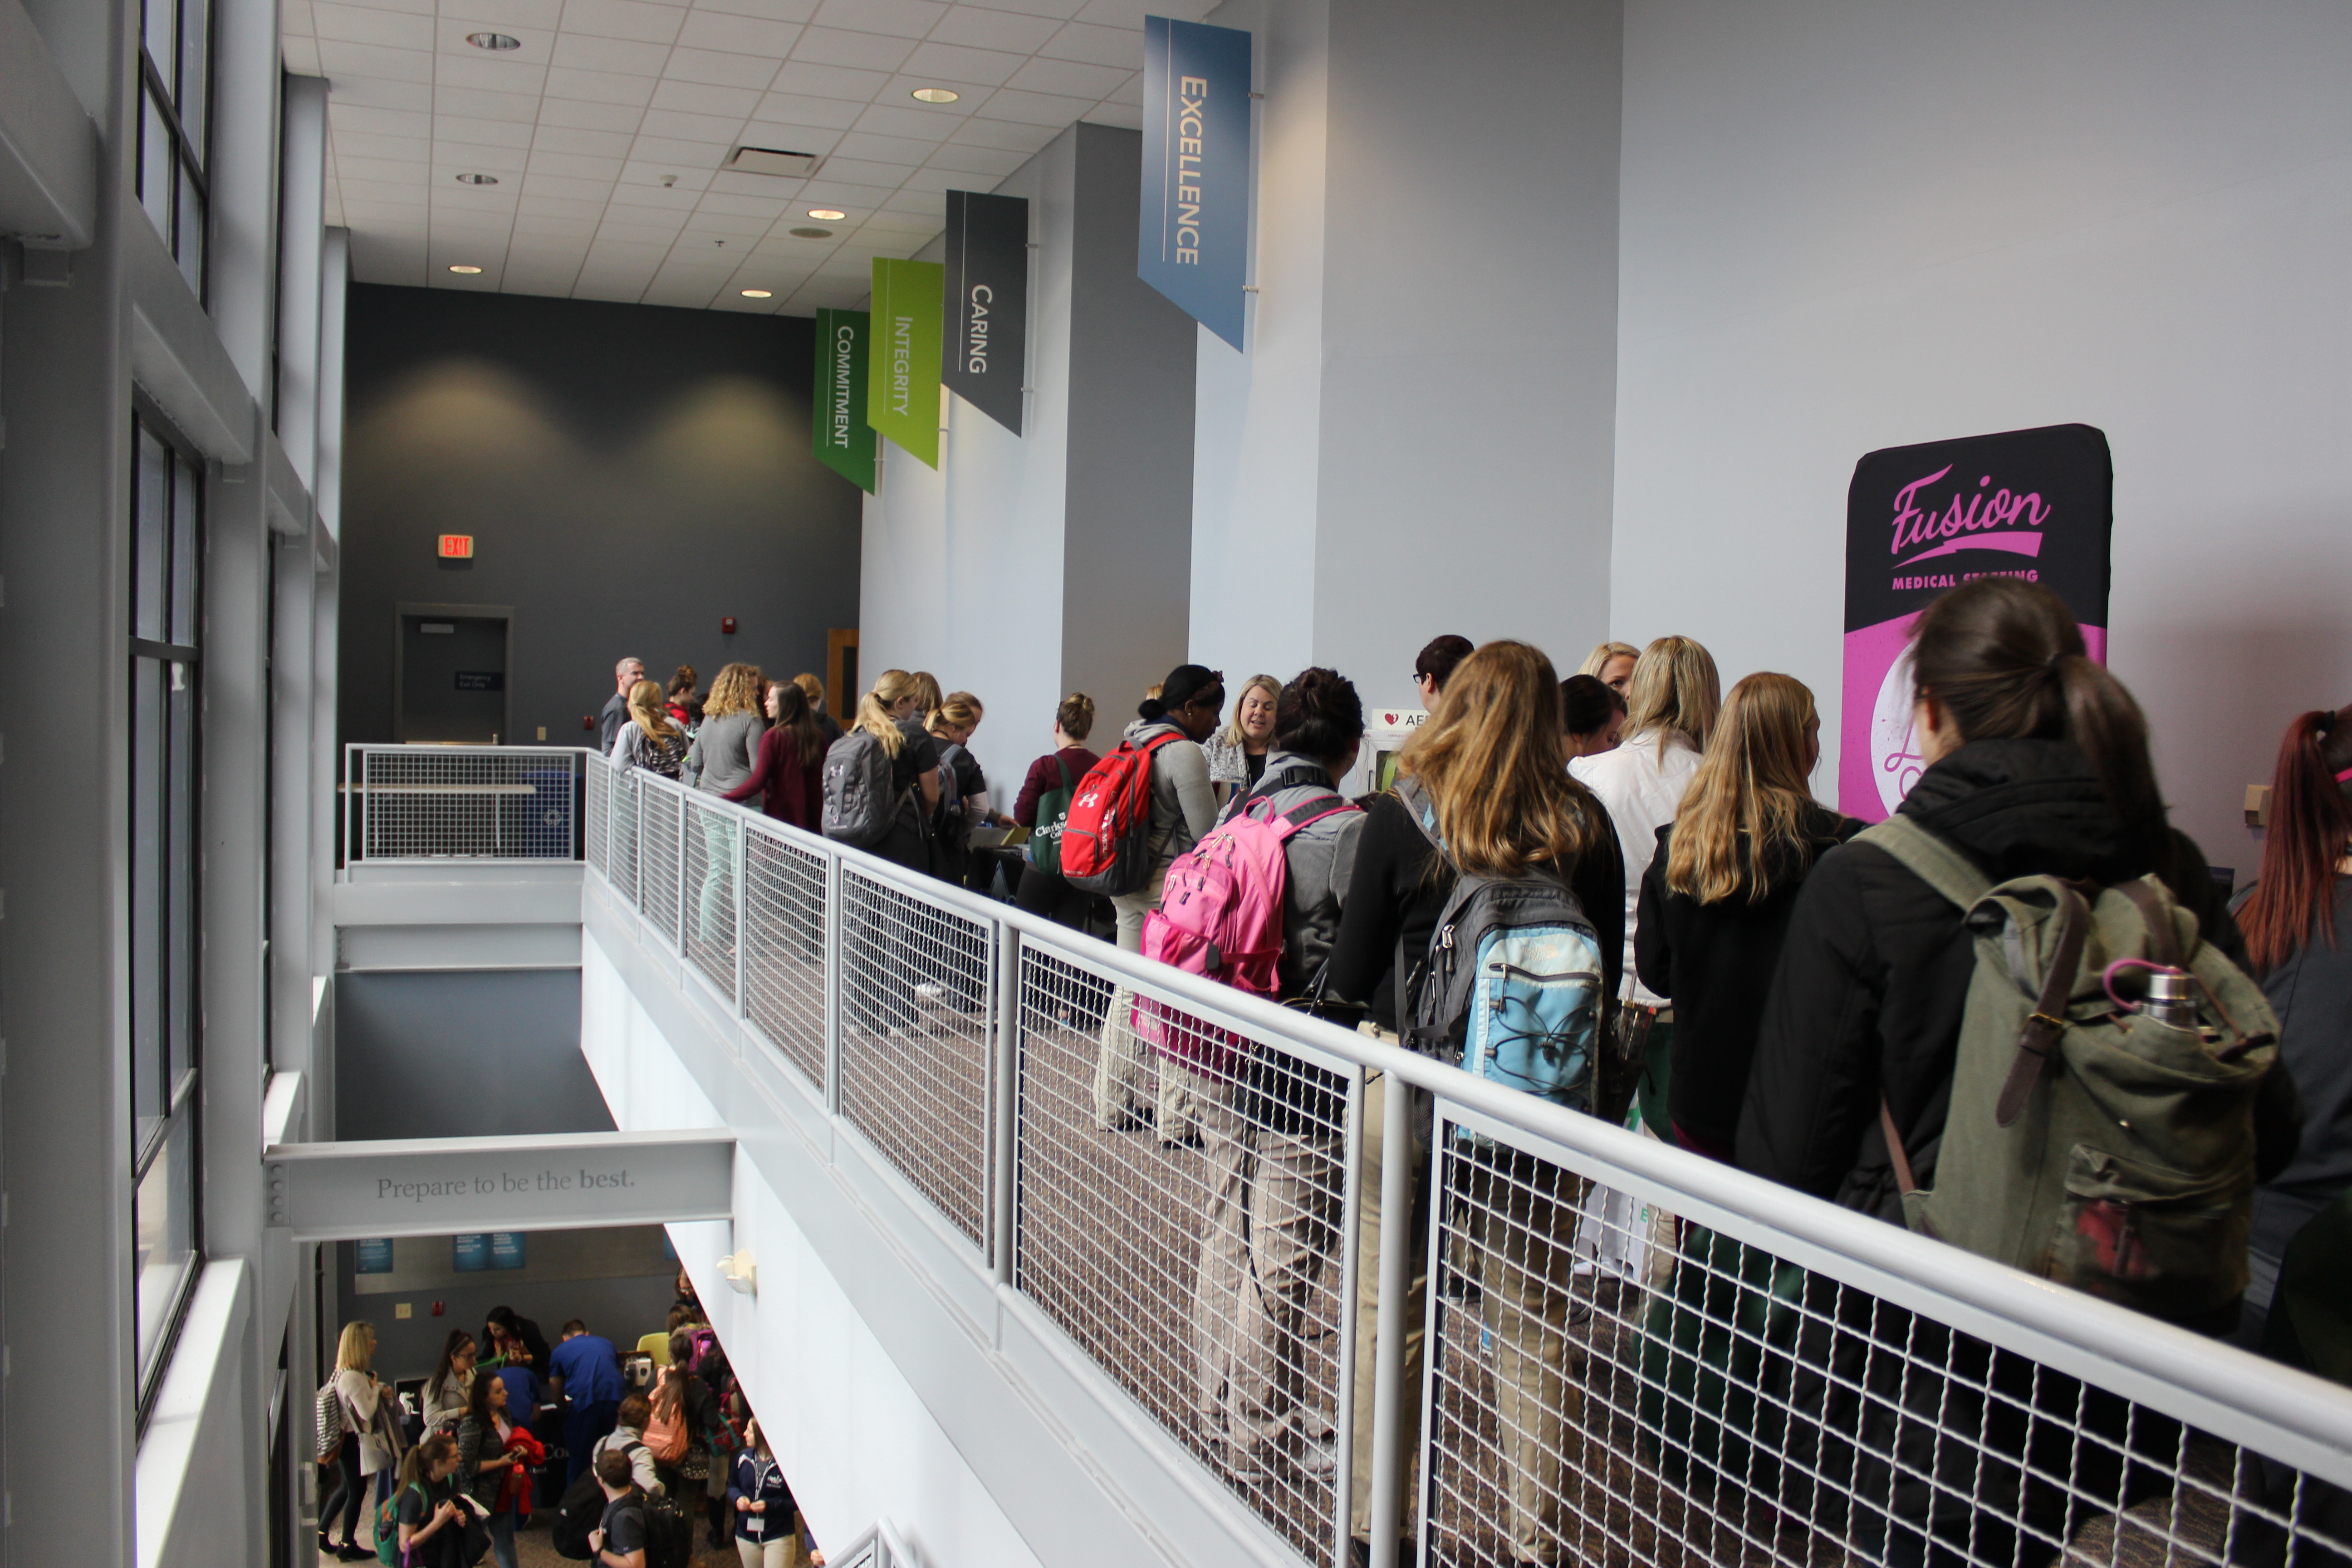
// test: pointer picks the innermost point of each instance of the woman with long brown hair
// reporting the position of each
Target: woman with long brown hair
(1716, 898)
(1487, 767)
(2294, 917)
(789, 776)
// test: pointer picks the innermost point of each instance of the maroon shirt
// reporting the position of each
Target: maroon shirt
(1045, 777)
(788, 790)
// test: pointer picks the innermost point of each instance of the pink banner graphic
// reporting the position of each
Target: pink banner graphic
(2036, 504)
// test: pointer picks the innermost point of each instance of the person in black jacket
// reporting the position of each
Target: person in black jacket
(1716, 898)
(1488, 761)
(2038, 763)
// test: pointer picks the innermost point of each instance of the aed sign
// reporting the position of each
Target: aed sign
(457, 547)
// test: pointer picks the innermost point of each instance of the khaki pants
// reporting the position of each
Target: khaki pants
(1122, 1059)
(1367, 1304)
(1518, 1218)
(1273, 1206)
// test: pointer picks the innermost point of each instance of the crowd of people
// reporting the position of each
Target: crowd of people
(1773, 987)
(637, 1449)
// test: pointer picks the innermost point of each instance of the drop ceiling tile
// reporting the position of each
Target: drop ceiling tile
(518, 107)
(548, 138)
(1061, 10)
(343, 117)
(380, 92)
(1034, 108)
(362, 145)
(1131, 13)
(717, 68)
(889, 119)
(564, 185)
(628, 57)
(937, 179)
(1096, 46)
(1006, 134)
(649, 23)
(994, 162)
(593, 286)
(301, 57)
(928, 204)
(450, 33)
(385, 217)
(805, 109)
(986, 29)
(294, 19)
(641, 182)
(461, 157)
(683, 293)
(829, 81)
(683, 126)
(1133, 93)
(623, 239)
(577, 165)
(681, 153)
(578, 114)
(601, 87)
(867, 51)
(389, 192)
(538, 227)
(866, 146)
(756, 187)
(371, 25)
(569, 209)
(903, 18)
(739, 35)
(1072, 79)
(551, 282)
(738, 231)
(384, 171)
(464, 130)
(855, 200)
(735, 204)
(811, 139)
(887, 227)
(375, 61)
(766, 10)
(422, 8)
(1125, 116)
(515, 16)
(953, 64)
(859, 172)
(489, 73)
(729, 106)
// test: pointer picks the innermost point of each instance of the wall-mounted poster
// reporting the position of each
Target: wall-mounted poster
(375, 1255)
(469, 1254)
(1920, 520)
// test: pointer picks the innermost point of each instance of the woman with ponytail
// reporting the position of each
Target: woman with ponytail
(2295, 919)
(2037, 764)
(891, 713)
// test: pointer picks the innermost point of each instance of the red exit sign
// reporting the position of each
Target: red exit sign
(457, 547)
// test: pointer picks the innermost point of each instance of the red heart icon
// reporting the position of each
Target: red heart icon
(1390, 718)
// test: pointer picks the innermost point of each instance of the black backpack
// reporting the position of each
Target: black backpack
(575, 1516)
(669, 1534)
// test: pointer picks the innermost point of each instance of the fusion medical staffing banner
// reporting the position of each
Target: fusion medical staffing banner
(902, 373)
(844, 440)
(1193, 240)
(2036, 504)
(988, 303)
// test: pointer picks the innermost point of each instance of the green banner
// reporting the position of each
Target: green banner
(902, 380)
(845, 441)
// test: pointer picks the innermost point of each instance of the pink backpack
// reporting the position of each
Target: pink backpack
(1221, 916)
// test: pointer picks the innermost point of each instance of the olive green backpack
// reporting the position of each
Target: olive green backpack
(2087, 1143)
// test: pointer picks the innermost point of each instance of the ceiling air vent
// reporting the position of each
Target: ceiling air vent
(770, 161)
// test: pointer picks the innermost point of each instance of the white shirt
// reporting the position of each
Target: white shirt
(1642, 784)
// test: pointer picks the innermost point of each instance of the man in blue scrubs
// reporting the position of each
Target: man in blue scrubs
(584, 1376)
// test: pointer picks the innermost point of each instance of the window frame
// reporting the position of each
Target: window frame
(188, 156)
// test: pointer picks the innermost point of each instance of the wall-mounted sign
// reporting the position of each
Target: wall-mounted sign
(457, 547)
(481, 680)
(844, 440)
(1193, 242)
(988, 303)
(2036, 504)
(375, 1256)
(506, 1249)
(902, 364)
(469, 1254)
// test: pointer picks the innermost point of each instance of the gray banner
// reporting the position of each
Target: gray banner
(984, 348)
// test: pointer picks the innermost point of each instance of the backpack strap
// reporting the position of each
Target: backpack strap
(1928, 858)
(2043, 1027)
(2163, 939)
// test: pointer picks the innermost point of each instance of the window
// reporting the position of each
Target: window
(174, 107)
(167, 536)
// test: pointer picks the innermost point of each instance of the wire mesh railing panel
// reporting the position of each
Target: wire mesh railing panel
(624, 839)
(714, 842)
(597, 794)
(916, 1035)
(1611, 1384)
(784, 948)
(1181, 1195)
(474, 803)
(658, 848)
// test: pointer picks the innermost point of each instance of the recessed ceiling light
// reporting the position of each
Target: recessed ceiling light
(935, 95)
(758, 294)
(477, 179)
(812, 234)
(493, 41)
(827, 215)
(465, 271)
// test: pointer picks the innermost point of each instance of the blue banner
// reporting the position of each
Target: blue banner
(469, 1254)
(375, 1256)
(505, 1250)
(1193, 242)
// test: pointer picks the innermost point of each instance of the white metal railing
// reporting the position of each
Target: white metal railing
(1625, 1353)
(461, 803)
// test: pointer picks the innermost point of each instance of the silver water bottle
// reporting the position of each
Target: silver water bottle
(2171, 998)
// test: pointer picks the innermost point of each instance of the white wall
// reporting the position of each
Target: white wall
(1849, 225)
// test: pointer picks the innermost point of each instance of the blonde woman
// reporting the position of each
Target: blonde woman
(1612, 664)
(814, 690)
(1670, 712)
(369, 1409)
(1716, 898)
(1237, 753)
(951, 724)
(1487, 765)
(725, 751)
(649, 740)
(891, 714)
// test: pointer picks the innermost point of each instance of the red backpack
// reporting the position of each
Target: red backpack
(1107, 837)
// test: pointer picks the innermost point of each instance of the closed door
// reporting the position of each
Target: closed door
(453, 678)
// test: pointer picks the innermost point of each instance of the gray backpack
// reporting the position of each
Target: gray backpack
(2088, 1142)
(859, 806)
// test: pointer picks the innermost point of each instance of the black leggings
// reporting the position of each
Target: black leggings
(346, 1494)
(1043, 893)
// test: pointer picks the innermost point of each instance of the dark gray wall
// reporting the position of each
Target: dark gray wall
(631, 474)
(1126, 555)
(455, 1055)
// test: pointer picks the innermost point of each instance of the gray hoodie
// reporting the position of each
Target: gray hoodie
(1183, 808)
(1318, 860)
(726, 749)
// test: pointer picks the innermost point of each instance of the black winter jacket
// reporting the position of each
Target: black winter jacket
(1715, 963)
(1876, 970)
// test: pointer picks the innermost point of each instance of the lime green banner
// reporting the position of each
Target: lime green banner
(845, 441)
(902, 381)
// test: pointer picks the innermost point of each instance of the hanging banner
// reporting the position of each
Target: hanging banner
(902, 364)
(988, 303)
(2036, 504)
(1193, 242)
(845, 441)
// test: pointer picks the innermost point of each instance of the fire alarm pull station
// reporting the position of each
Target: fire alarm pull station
(727, 625)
